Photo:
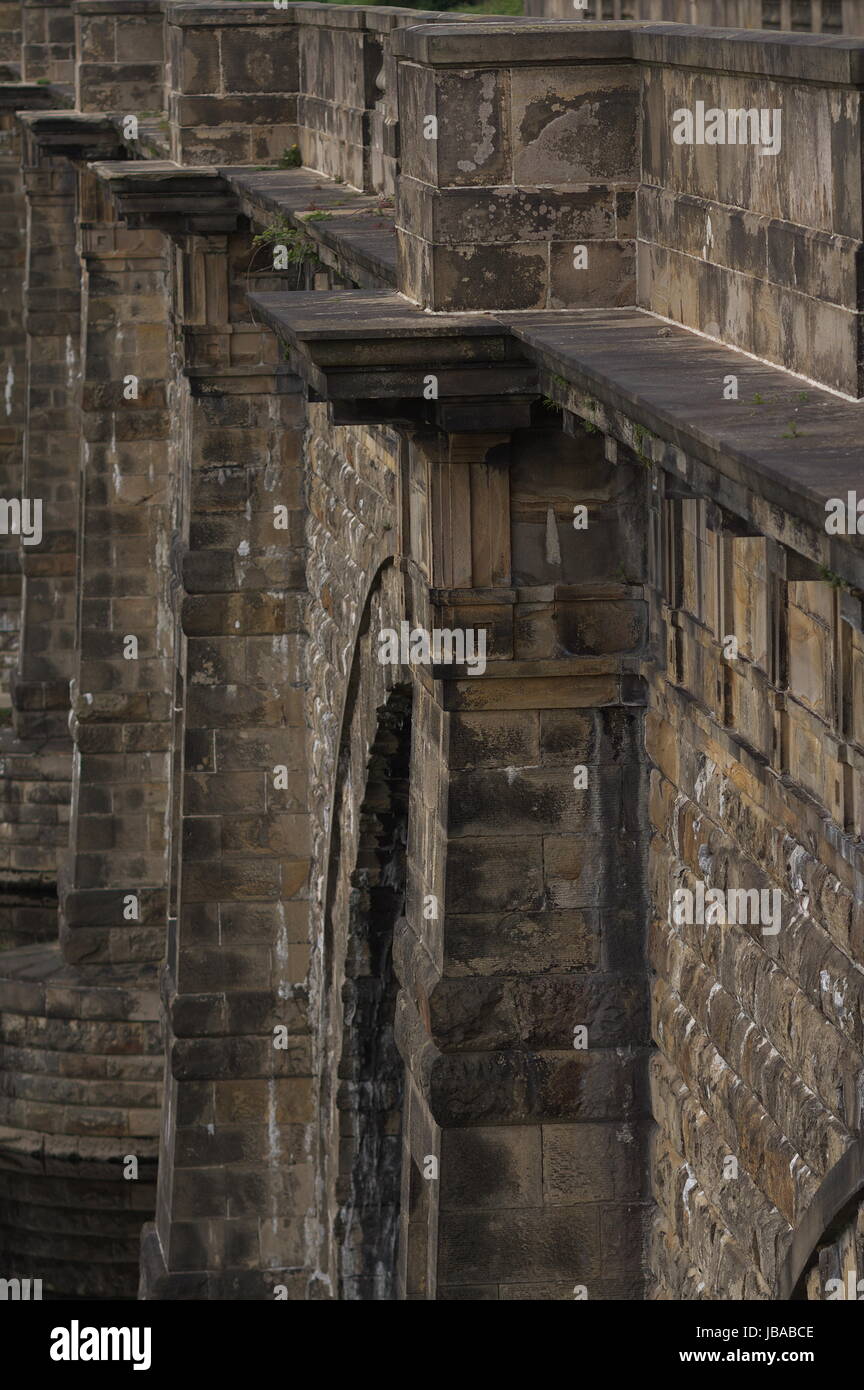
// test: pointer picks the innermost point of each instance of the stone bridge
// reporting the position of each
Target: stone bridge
(431, 610)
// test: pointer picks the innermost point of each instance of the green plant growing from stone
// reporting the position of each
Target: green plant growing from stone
(549, 402)
(300, 249)
(280, 232)
(641, 436)
(792, 431)
(589, 407)
(835, 580)
(291, 158)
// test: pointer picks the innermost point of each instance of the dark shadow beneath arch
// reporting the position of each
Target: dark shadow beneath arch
(829, 1211)
(371, 1072)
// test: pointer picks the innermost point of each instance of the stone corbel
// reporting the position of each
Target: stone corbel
(380, 360)
(177, 201)
(73, 135)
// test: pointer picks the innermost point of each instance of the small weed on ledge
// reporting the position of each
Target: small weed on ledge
(292, 247)
(835, 580)
(641, 436)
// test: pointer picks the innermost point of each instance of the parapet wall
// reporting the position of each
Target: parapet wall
(758, 245)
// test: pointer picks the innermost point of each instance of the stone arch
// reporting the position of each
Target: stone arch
(371, 1070)
(377, 601)
(833, 1205)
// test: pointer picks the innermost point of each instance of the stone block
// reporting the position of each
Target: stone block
(575, 125)
(496, 1168)
(522, 1246)
(590, 1163)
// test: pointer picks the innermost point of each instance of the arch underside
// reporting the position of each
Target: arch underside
(371, 1070)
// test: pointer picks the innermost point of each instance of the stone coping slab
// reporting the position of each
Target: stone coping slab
(457, 44)
(355, 318)
(671, 381)
(76, 134)
(797, 57)
(352, 16)
(175, 198)
(795, 444)
(484, 379)
(377, 18)
(223, 13)
(121, 7)
(356, 230)
(65, 121)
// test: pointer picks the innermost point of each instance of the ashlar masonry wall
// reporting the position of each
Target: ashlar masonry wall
(758, 1023)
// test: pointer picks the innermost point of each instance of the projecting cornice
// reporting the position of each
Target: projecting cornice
(776, 463)
(170, 198)
(76, 135)
(377, 356)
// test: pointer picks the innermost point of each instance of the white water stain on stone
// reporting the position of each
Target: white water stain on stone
(553, 543)
(485, 148)
(704, 778)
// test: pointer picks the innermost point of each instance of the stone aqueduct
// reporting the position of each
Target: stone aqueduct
(313, 933)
